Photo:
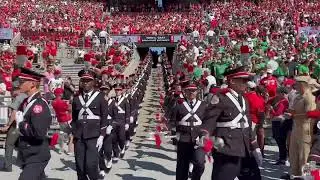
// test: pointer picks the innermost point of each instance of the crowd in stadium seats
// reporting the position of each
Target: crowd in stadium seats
(57, 19)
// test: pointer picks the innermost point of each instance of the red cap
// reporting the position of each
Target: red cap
(289, 82)
(191, 87)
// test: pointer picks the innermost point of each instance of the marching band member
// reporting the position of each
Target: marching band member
(188, 117)
(106, 151)
(120, 123)
(33, 121)
(228, 119)
(89, 126)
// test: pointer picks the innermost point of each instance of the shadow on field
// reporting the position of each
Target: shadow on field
(68, 164)
(132, 177)
(134, 165)
(142, 154)
(269, 170)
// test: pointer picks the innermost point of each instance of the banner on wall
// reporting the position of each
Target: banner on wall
(6, 33)
(153, 39)
(149, 38)
(125, 39)
(309, 31)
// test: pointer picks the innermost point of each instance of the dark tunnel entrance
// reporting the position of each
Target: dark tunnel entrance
(156, 52)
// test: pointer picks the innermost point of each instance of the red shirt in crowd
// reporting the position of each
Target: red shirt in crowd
(256, 104)
(61, 108)
(244, 49)
(270, 83)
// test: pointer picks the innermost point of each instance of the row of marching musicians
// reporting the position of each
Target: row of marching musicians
(102, 126)
(220, 122)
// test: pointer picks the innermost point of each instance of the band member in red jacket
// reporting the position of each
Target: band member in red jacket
(256, 112)
(62, 110)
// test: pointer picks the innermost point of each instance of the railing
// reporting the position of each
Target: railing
(5, 111)
(4, 114)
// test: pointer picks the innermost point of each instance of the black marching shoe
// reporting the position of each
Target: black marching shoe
(286, 176)
(123, 151)
(101, 175)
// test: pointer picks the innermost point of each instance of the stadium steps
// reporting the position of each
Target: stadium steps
(72, 71)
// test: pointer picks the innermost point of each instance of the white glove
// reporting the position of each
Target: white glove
(109, 129)
(200, 141)
(19, 118)
(258, 156)
(126, 127)
(99, 143)
(131, 119)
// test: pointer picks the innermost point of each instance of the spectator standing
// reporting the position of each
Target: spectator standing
(257, 112)
(56, 82)
(278, 106)
(62, 110)
(49, 75)
(69, 89)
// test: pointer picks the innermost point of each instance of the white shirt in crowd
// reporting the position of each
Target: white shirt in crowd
(81, 53)
(89, 33)
(33, 23)
(109, 41)
(5, 47)
(195, 34)
(34, 49)
(211, 16)
(196, 52)
(103, 34)
(210, 33)
(55, 83)
(211, 81)
(96, 41)
(125, 30)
